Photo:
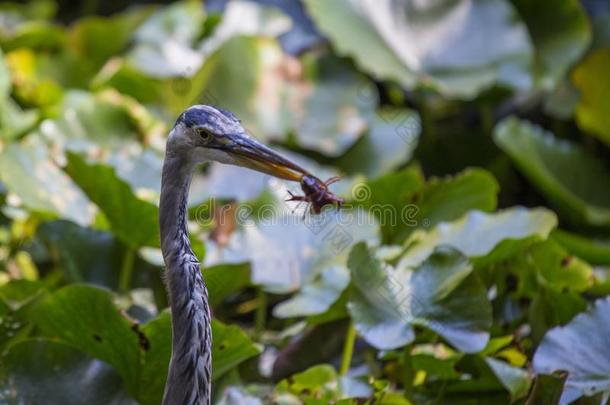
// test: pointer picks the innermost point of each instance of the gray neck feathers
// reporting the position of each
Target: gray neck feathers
(189, 377)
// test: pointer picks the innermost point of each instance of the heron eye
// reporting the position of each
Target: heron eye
(205, 135)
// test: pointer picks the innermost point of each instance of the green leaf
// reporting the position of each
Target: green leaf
(86, 318)
(514, 379)
(244, 83)
(316, 385)
(230, 347)
(43, 371)
(561, 34)
(385, 39)
(14, 121)
(592, 250)
(91, 122)
(478, 235)
(550, 308)
(5, 80)
(261, 240)
(315, 297)
(581, 349)
(336, 111)
(155, 360)
(441, 294)
(96, 38)
(547, 389)
(132, 220)
(84, 254)
(572, 179)
(559, 270)
(390, 142)
(449, 198)
(591, 79)
(167, 32)
(225, 279)
(391, 199)
(27, 170)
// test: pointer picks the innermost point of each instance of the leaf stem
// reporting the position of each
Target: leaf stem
(126, 270)
(261, 312)
(348, 348)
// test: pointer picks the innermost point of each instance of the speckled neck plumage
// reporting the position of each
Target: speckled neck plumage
(189, 376)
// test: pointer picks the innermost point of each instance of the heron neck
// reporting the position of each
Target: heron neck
(175, 183)
(189, 376)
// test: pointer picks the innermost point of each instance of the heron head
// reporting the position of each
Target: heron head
(210, 133)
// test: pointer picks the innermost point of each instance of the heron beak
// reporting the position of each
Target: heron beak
(250, 153)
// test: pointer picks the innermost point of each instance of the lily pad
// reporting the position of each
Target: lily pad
(561, 34)
(246, 82)
(40, 371)
(164, 41)
(84, 254)
(390, 142)
(441, 294)
(574, 180)
(335, 109)
(581, 349)
(86, 318)
(230, 347)
(449, 44)
(479, 234)
(133, 221)
(27, 171)
(318, 244)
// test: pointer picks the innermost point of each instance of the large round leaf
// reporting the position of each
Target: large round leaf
(86, 318)
(575, 181)
(52, 373)
(441, 294)
(581, 349)
(133, 221)
(450, 44)
(481, 235)
(27, 170)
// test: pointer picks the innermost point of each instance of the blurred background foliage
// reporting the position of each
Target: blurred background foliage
(482, 125)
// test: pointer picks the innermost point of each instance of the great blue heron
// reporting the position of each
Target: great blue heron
(201, 133)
